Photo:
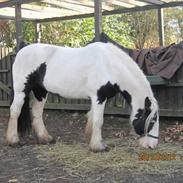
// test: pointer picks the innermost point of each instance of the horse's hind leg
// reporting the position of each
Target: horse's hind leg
(96, 143)
(88, 128)
(38, 124)
(15, 110)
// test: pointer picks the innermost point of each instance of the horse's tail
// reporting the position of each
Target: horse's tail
(24, 119)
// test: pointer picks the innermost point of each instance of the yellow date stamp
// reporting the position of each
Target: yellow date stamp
(157, 156)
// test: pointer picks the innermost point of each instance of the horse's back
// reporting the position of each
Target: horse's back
(38, 52)
(77, 67)
(76, 70)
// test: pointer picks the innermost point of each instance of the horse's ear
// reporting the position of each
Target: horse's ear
(23, 44)
(104, 38)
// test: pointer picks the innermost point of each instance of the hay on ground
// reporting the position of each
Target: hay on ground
(124, 155)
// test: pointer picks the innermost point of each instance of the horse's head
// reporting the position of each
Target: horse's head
(146, 123)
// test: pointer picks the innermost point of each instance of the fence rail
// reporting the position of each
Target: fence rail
(168, 93)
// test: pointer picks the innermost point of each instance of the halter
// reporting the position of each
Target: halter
(149, 135)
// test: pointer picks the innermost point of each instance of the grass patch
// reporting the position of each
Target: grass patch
(125, 155)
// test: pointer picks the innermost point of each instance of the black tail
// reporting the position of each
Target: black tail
(24, 120)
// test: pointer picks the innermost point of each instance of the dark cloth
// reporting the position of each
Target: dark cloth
(161, 61)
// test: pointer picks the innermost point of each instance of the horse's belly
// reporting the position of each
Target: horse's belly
(68, 87)
(73, 93)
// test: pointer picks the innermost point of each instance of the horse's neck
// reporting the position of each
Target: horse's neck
(138, 103)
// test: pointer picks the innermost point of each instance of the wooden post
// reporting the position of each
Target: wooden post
(98, 19)
(18, 23)
(37, 32)
(161, 27)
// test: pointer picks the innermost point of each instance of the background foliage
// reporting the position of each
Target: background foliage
(134, 30)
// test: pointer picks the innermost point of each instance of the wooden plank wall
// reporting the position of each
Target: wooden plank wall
(5, 75)
(169, 95)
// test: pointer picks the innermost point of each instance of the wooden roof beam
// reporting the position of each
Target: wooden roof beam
(67, 5)
(166, 1)
(104, 4)
(78, 5)
(155, 2)
(90, 3)
(14, 2)
(72, 2)
(33, 14)
(44, 9)
(136, 2)
(120, 3)
(113, 12)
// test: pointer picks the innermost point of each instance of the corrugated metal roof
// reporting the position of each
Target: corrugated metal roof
(60, 8)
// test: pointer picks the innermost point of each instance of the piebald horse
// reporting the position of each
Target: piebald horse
(97, 71)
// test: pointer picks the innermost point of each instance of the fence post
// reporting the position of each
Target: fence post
(37, 32)
(18, 23)
(161, 27)
(98, 19)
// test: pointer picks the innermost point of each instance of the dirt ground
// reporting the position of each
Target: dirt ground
(70, 161)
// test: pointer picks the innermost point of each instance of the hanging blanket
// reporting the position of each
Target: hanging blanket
(161, 61)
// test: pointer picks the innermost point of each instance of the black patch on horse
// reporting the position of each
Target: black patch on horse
(141, 116)
(35, 83)
(150, 127)
(127, 96)
(107, 91)
(151, 124)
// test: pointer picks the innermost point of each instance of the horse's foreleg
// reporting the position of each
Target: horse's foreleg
(96, 144)
(15, 109)
(38, 124)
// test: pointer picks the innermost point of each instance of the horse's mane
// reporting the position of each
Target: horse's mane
(106, 39)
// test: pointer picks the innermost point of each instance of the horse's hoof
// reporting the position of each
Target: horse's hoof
(53, 141)
(48, 140)
(103, 148)
(13, 142)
